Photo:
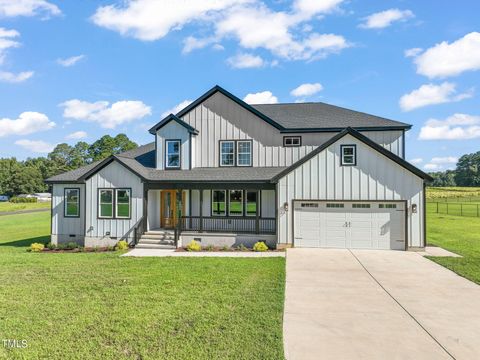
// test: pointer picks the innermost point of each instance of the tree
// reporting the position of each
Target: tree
(107, 146)
(467, 172)
(443, 178)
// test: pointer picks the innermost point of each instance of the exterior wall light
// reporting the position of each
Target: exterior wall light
(285, 206)
(414, 208)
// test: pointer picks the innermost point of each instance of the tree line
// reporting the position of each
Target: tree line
(466, 173)
(28, 176)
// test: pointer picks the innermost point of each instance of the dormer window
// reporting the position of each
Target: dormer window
(172, 154)
(291, 141)
(348, 155)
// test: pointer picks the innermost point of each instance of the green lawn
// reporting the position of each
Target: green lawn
(460, 235)
(102, 306)
(8, 206)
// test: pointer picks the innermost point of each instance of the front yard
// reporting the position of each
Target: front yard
(460, 235)
(98, 305)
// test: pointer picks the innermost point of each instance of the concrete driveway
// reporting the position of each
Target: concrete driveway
(363, 304)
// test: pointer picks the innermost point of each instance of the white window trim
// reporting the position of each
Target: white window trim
(342, 155)
(129, 203)
(100, 216)
(179, 153)
(229, 203)
(238, 153)
(221, 152)
(292, 138)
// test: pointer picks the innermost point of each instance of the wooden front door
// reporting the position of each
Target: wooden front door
(168, 208)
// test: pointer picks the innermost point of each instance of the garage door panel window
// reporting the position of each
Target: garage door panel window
(335, 205)
(348, 155)
(361, 206)
(387, 206)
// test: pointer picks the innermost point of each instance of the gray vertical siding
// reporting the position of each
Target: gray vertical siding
(113, 175)
(173, 131)
(219, 118)
(374, 178)
(62, 225)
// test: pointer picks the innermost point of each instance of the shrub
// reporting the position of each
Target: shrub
(23, 200)
(61, 246)
(71, 245)
(37, 247)
(110, 248)
(260, 246)
(51, 246)
(194, 246)
(225, 248)
(210, 247)
(242, 248)
(122, 245)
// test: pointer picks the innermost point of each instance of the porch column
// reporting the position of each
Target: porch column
(257, 213)
(145, 207)
(201, 210)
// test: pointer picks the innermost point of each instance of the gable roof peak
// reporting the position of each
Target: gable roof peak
(172, 117)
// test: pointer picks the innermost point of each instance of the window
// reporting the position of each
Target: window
(218, 202)
(290, 141)
(235, 204)
(227, 153)
(335, 205)
(244, 153)
(387, 206)
(251, 203)
(122, 203)
(309, 205)
(72, 203)
(172, 154)
(349, 155)
(361, 206)
(105, 203)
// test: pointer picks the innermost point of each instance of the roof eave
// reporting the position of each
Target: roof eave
(172, 117)
(338, 129)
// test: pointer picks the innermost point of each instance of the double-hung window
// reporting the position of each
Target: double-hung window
(235, 203)
(172, 154)
(227, 153)
(72, 202)
(218, 202)
(244, 153)
(348, 155)
(122, 203)
(105, 203)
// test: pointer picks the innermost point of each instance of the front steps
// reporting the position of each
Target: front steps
(157, 239)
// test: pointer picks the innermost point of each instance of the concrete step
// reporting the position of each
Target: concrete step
(157, 237)
(155, 241)
(154, 246)
(160, 232)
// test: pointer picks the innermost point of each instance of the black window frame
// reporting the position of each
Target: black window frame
(345, 146)
(242, 203)
(129, 204)
(285, 138)
(220, 142)
(237, 152)
(99, 216)
(114, 204)
(245, 201)
(225, 202)
(166, 167)
(65, 202)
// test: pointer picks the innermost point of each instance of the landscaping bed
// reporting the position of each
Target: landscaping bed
(195, 246)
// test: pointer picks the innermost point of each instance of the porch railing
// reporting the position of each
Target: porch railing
(138, 231)
(241, 224)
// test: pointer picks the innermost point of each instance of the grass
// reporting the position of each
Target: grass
(8, 206)
(102, 306)
(460, 235)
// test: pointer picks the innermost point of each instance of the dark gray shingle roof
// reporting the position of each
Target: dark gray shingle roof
(320, 115)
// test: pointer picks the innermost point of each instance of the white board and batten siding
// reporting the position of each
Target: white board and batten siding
(219, 118)
(173, 131)
(375, 177)
(66, 229)
(113, 175)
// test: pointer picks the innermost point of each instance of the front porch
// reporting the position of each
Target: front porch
(213, 214)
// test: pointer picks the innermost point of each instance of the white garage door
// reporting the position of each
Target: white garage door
(351, 225)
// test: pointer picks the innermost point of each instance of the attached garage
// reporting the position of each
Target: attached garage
(349, 224)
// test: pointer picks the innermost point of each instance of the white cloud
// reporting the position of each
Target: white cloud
(243, 61)
(250, 22)
(9, 77)
(27, 123)
(444, 160)
(70, 61)
(307, 89)
(412, 52)
(106, 115)
(11, 8)
(76, 135)
(431, 167)
(176, 108)
(416, 161)
(37, 146)
(264, 97)
(455, 127)
(7, 41)
(385, 18)
(431, 94)
(444, 59)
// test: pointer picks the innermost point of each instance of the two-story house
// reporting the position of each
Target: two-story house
(224, 173)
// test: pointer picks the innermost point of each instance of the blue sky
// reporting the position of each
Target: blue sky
(73, 70)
